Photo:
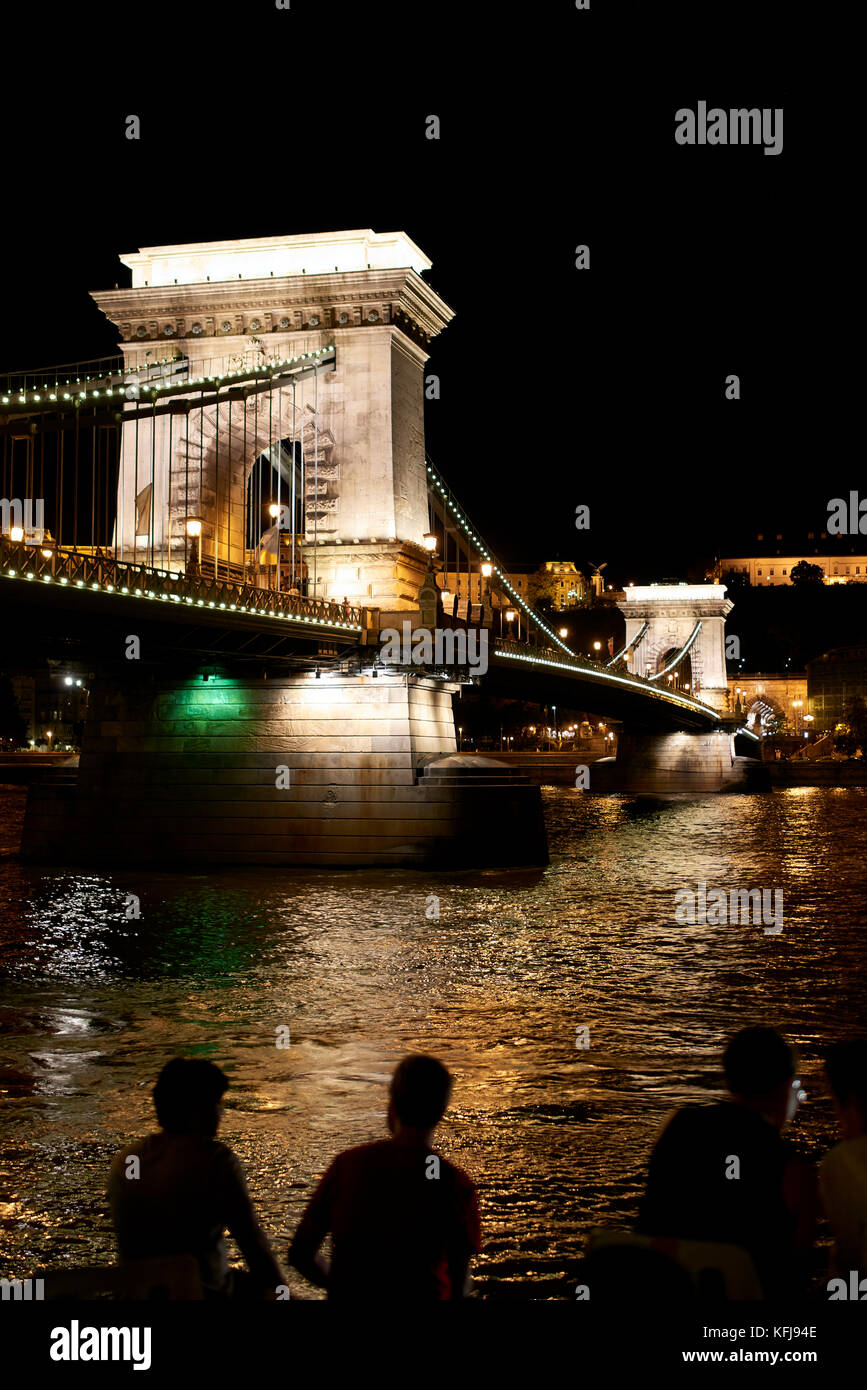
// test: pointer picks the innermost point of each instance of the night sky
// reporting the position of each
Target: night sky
(559, 387)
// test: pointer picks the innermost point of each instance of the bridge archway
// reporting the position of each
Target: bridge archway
(199, 461)
(681, 677)
(763, 714)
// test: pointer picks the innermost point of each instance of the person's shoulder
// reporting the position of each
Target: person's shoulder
(845, 1155)
(133, 1149)
(688, 1118)
(377, 1150)
(460, 1180)
(136, 1148)
(220, 1156)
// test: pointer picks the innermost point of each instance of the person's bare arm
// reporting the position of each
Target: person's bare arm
(466, 1242)
(243, 1224)
(312, 1230)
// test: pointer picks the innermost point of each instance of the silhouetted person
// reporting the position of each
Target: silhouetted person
(843, 1172)
(723, 1172)
(187, 1188)
(404, 1222)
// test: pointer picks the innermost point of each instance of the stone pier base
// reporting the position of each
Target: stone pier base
(677, 762)
(337, 770)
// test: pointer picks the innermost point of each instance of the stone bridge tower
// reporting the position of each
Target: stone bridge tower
(224, 304)
(672, 611)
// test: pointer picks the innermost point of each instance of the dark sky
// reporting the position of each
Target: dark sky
(559, 387)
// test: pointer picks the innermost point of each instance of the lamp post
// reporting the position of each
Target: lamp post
(797, 705)
(556, 731)
(510, 618)
(487, 609)
(274, 513)
(428, 595)
(460, 732)
(194, 531)
(49, 734)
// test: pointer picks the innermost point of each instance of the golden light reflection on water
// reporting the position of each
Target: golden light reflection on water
(92, 1004)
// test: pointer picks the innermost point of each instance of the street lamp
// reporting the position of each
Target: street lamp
(194, 531)
(487, 609)
(49, 734)
(274, 510)
(597, 646)
(510, 618)
(797, 705)
(564, 632)
(16, 533)
(430, 542)
(460, 732)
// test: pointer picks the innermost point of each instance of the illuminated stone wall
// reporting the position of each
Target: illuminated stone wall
(188, 772)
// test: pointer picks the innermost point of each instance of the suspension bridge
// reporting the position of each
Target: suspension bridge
(244, 489)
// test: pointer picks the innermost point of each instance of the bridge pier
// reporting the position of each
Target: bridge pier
(336, 770)
(656, 763)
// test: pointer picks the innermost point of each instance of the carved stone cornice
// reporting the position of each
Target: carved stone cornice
(400, 297)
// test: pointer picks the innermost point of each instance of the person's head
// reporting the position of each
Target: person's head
(760, 1069)
(187, 1096)
(846, 1070)
(418, 1094)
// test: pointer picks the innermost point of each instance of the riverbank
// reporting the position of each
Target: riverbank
(20, 769)
(824, 774)
(550, 768)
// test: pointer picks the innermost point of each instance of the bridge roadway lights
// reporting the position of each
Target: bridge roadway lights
(655, 764)
(182, 771)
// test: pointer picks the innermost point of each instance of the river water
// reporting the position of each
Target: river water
(360, 969)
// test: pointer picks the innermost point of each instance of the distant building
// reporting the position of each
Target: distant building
(562, 582)
(834, 679)
(762, 698)
(774, 557)
(558, 580)
(51, 700)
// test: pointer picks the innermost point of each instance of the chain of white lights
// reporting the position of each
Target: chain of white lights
(35, 398)
(95, 585)
(464, 525)
(635, 683)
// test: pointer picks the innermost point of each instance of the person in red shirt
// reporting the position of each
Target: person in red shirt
(404, 1222)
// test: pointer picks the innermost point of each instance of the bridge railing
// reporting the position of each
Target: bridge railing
(550, 657)
(541, 653)
(101, 572)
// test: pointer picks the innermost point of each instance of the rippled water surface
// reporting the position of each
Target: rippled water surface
(556, 1137)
